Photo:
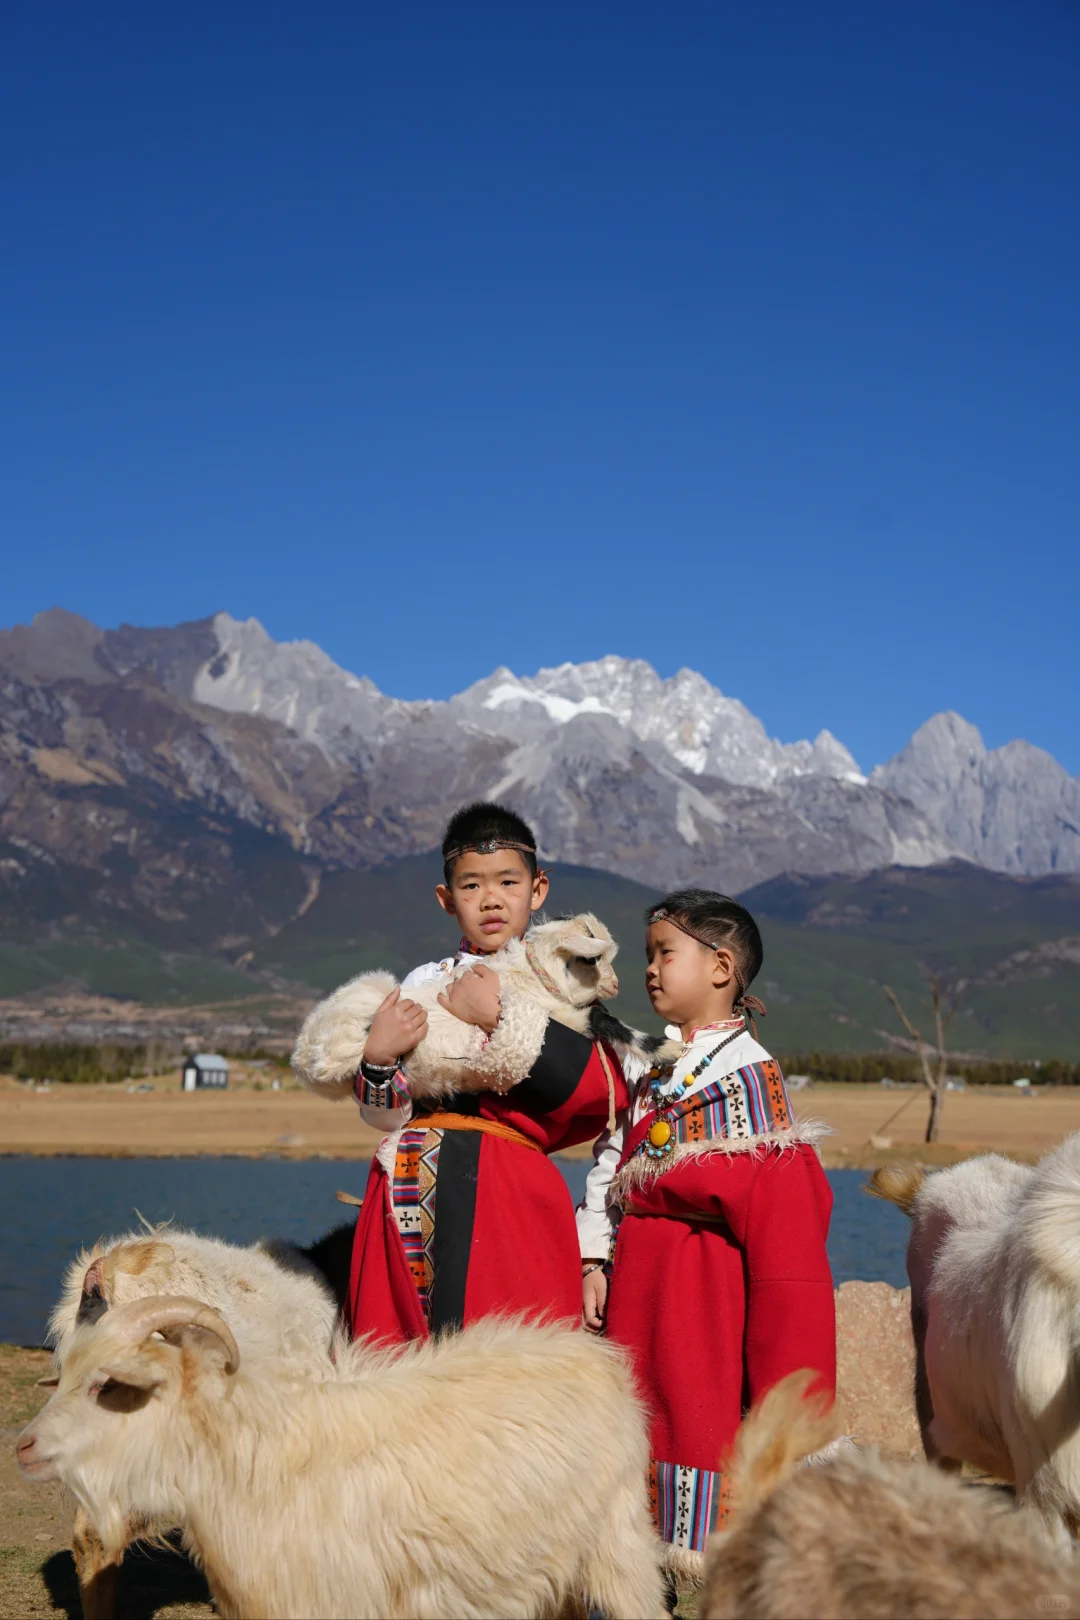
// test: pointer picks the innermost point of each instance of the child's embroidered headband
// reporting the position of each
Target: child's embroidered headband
(488, 846)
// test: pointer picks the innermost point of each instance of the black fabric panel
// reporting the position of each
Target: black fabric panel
(455, 1210)
(459, 1102)
(557, 1072)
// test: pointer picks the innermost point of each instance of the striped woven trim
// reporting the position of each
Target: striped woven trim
(686, 1504)
(412, 1197)
(751, 1101)
(745, 1111)
(393, 1094)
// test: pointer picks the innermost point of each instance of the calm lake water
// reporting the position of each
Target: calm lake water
(50, 1208)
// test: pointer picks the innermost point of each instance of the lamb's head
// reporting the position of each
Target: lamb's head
(575, 954)
(109, 1428)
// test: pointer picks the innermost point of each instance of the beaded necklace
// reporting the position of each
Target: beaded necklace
(661, 1137)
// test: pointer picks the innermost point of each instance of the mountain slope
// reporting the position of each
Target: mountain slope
(1014, 809)
(196, 786)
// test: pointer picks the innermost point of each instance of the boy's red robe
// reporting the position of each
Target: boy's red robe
(720, 1287)
(468, 1223)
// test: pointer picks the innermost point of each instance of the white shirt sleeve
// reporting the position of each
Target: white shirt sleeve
(399, 1112)
(594, 1222)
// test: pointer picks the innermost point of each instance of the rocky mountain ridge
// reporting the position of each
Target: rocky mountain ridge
(203, 776)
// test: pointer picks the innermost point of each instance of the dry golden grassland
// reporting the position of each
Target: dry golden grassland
(251, 1119)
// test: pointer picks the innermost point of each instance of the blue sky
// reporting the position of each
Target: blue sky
(742, 337)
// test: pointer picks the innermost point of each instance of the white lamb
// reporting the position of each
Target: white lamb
(498, 1472)
(561, 970)
(994, 1262)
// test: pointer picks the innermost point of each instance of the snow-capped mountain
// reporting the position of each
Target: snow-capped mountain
(114, 740)
(706, 732)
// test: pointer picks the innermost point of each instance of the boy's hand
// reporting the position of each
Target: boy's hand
(395, 1029)
(474, 998)
(594, 1300)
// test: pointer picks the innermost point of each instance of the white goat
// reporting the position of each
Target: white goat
(561, 970)
(498, 1472)
(994, 1262)
(860, 1537)
(275, 1297)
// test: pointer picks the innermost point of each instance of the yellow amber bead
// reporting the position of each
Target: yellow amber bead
(660, 1133)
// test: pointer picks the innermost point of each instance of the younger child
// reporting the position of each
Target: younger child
(466, 1216)
(715, 1209)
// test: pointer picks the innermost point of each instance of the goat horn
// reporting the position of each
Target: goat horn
(135, 1322)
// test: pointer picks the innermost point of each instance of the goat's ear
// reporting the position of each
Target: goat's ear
(131, 1372)
(587, 946)
(51, 1382)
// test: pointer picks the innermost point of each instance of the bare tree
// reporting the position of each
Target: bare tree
(944, 1001)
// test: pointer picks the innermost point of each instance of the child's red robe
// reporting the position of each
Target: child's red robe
(457, 1223)
(720, 1282)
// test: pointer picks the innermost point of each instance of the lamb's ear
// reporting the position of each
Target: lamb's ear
(587, 946)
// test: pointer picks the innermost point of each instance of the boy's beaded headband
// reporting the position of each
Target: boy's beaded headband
(488, 846)
(744, 1003)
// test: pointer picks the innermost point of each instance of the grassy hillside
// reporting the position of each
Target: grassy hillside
(831, 944)
(390, 918)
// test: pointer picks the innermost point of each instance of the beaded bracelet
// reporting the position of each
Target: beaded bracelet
(597, 1265)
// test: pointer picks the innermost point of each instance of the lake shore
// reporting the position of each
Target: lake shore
(251, 1120)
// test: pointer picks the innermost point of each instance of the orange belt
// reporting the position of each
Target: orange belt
(473, 1122)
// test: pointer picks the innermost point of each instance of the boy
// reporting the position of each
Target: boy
(715, 1210)
(469, 1217)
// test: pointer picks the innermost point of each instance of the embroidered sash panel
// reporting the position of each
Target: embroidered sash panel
(412, 1197)
(751, 1101)
(687, 1504)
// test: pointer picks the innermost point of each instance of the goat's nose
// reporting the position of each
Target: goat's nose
(24, 1446)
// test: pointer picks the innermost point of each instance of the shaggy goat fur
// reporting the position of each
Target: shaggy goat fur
(994, 1263)
(859, 1537)
(496, 1472)
(275, 1301)
(273, 1296)
(575, 954)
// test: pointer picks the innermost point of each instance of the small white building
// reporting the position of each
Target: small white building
(205, 1069)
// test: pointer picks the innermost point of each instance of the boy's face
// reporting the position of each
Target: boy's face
(492, 896)
(687, 983)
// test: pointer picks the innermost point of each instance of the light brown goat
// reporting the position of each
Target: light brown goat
(859, 1537)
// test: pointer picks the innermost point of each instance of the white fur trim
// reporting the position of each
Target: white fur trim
(643, 1168)
(386, 1152)
(333, 1035)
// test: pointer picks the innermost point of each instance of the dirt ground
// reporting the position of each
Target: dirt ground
(251, 1119)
